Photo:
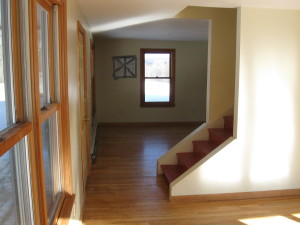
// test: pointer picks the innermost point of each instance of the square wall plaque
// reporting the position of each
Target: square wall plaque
(124, 67)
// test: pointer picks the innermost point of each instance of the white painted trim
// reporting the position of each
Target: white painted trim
(208, 70)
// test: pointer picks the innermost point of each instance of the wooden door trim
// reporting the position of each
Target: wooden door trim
(85, 114)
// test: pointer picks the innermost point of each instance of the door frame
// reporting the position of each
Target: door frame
(84, 116)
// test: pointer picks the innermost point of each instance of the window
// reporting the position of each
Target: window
(35, 171)
(43, 52)
(15, 198)
(7, 103)
(50, 150)
(157, 77)
(49, 109)
(51, 163)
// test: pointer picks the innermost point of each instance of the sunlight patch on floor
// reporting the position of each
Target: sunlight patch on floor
(75, 222)
(296, 215)
(273, 220)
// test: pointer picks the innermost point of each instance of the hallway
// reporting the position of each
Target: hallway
(123, 187)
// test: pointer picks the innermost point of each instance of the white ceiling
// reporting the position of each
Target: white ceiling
(108, 15)
(168, 29)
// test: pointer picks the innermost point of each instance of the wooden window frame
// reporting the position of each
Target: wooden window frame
(12, 135)
(172, 53)
(30, 127)
(63, 211)
(16, 132)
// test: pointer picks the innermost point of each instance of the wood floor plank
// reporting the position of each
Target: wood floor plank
(123, 188)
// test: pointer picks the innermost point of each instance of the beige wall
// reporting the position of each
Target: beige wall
(222, 69)
(266, 152)
(119, 100)
(74, 14)
(222, 63)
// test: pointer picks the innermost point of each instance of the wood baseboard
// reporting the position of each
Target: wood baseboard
(139, 124)
(236, 196)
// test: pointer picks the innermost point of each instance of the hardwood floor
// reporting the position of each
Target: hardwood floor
(123, 187)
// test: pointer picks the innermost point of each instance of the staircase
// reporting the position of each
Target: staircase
(200, 149)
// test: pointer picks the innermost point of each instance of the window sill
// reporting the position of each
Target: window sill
(49, 111)
(157, 104)
(66, 210)
(13, 135)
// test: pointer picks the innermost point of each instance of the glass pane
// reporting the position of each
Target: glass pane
(42, 24)
(8, 199)
(157, 90)
(51, 164)
(157, 65)
(6, 94)
(15, 197)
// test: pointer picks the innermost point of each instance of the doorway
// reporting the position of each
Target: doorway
(83, 104)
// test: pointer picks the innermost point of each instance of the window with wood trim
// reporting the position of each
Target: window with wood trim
(157, 77)
(50, 110)
(35, 168)
(15, 198)
(49, 115)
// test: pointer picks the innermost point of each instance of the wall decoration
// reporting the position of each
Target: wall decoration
(124, 67)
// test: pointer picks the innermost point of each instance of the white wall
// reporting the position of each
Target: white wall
(266, 152)
(74, 14)
(119, 100)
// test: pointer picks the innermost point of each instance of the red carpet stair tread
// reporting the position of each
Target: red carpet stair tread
(203, 148)
(187, 159)
(219, 135)
(200, 149)
(171, 172)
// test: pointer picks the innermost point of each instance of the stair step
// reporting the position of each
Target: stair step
(219, 135)
(202, 148)
(228, 123)
(171, 172)
(187, 159)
